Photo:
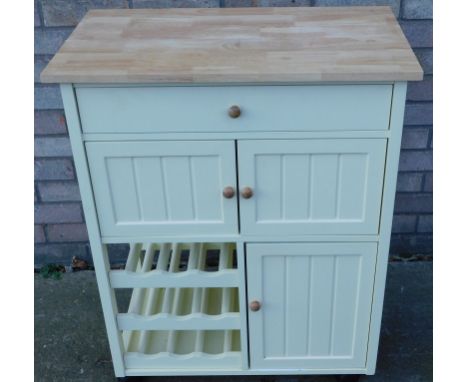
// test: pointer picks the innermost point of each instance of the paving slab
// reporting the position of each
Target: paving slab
(71, 344)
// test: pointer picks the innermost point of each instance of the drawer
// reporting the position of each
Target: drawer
(205, 109)
(163, 188)
(311, 186)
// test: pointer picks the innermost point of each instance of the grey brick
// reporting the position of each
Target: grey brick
(52, 147)
(404, 223)
(48, 41)
(53, 169)
(49, 122)
(240, 3)
(418, 113)
(410, 244)
(150, 3)
(415, 138)
(69, 13)
(413, 203)
(416, 9)
(118, 253)
(59, 191)
(282, 3)
(47, 97)
(59, 253)
(395, 4)
(409, 182)
(67, 232)
(40, 62)
(39, 236)
(176, 3)
(420, 90)
(428, 182)
(425, 223)
(58, 213)
(424, 57)
(418, 33)
(37, 19)
(416, 160)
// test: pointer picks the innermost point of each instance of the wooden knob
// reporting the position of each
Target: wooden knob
(234, 111)
(228, 192)
(255, 306)
(247, 192)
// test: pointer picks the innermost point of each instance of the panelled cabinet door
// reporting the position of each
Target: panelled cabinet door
(315, 186)
(315, 304)
(163, 188)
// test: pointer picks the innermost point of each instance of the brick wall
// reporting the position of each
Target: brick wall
(60, 232)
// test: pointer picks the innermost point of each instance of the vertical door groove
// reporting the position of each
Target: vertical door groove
(282, 186)
(338, 187)
(310, 215)
(356, 304)
(333, 306)
(309, 286)
(136, 181)
(167, 201)
(285, 306)
(192, 189)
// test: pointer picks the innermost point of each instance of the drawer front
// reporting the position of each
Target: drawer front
(315, 304)
(321, 186)
(163, 188)
(205, 109)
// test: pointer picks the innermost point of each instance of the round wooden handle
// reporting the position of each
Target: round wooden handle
(255, 306)
(234, 111)
(228, 192)
(247, 192)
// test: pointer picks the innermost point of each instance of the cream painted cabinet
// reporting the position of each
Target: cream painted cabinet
(247, 160)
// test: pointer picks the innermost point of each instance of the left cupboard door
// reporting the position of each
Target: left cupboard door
(155, 188)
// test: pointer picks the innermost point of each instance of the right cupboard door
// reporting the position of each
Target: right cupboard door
(315, 304)
(311, 186)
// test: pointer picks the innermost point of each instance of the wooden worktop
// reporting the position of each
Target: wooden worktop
(241, 45)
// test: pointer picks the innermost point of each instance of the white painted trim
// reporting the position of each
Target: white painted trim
(388, 199)
(99, 251)
(167, 372)
(245, 238)
(241, 135)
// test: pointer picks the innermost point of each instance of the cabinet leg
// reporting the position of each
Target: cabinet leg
(348, 378)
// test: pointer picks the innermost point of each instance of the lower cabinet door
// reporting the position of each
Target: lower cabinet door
(315, 304)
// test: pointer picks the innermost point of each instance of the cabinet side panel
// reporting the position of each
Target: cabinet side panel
(388, 200)
(100, 257)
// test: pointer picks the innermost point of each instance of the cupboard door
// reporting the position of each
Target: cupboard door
(315, 304)
(163, 188)
(315, 186)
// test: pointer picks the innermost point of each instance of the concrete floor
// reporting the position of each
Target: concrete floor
(71, 344)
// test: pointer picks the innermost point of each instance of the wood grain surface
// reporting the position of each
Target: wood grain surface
(235, 45)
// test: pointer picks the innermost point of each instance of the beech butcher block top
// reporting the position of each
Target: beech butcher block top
(240, 45)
